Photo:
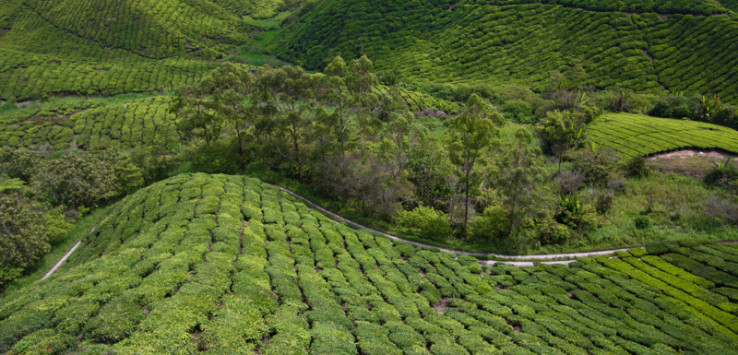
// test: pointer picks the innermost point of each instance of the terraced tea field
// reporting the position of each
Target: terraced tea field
(634, 135)
(640, 45)
(75, 47)
(227, 264)
(91, 124)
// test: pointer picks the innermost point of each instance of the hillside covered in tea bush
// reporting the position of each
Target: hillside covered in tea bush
(655, 45)
(139, 141)
(217, 263)
(110, 47)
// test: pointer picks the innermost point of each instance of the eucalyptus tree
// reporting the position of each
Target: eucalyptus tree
(471, 134)
(231, 88)
(518, 176)
(289, 104)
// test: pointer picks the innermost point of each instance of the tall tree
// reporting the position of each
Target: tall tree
(560, 132)
(471, 133)
(196, 118)
(230, 88)
(519, 171)
(290, 100)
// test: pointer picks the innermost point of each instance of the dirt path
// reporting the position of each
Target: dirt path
(61, 261)
(520, 260)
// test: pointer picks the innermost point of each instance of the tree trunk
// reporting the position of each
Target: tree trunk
(466, 204)
(240, 149)
(295, 144)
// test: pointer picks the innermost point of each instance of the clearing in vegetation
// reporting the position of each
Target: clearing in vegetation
(226, 263)
(634, 135)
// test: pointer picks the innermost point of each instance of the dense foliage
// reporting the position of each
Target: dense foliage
(480, 128)
(41, 195)
(227, 263)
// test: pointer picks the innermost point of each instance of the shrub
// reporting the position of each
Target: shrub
(642, 222)
(518, 111)
(728, 116)
(617, 185)
(596, 166)
(636, 167)
(570, 182)
(604, 202)
(493, 223)
(552, 232)
(723, 174)
(425, 222)
(570, 211)
(675, 106)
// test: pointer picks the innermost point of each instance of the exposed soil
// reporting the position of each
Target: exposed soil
(440, 306)
(690, 162)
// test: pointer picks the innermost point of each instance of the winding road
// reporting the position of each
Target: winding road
(514, 260)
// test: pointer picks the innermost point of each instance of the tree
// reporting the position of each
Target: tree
(76, 179)
(22, 237)
(519, 173)
(231, 87)
(289, 100)
(196, 118)
(559, 132)
(471, 133)
(28, 229)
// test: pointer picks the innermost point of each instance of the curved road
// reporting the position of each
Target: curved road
(519, 260)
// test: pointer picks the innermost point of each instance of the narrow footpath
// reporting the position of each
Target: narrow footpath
(515, 260)
(61, 261)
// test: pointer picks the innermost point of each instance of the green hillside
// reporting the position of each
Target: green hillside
(673, 45)
(227, 264)
(110, 47)
(639, 135)
(95, 124)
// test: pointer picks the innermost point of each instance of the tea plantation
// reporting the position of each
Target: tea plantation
(654, 45)
(228, 264)
(110, 47)
(634, 135)
(91, 124)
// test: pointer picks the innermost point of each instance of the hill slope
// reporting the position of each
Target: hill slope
(226, 264)
(683, 45)
(110, 47)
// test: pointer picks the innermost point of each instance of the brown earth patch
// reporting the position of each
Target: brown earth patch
(440, 306)
(690, 162)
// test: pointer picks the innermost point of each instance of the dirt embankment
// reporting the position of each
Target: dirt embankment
(690, 162)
